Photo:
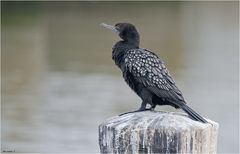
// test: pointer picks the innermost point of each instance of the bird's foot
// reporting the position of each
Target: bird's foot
(140, 110)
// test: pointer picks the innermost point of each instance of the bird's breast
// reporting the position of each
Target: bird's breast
(118, 59)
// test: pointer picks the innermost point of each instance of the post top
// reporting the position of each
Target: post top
(157, 132)
(157, 119)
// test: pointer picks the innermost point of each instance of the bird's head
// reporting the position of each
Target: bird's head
(125, 31)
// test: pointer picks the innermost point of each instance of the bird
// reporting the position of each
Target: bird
(145, 73)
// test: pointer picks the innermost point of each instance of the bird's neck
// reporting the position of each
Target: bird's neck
(119, 50)
(125, 45)
(134, 42)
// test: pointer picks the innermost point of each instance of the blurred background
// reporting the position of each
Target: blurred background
(59, 81)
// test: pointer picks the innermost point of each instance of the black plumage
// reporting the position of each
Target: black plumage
(145, 72)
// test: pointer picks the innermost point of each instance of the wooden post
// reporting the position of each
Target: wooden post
(157, 132)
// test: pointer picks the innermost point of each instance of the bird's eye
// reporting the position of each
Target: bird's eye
(117, 27)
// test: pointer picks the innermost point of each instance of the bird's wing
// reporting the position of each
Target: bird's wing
(148, 69)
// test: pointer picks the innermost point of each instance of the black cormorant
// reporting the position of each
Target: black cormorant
(145, 72)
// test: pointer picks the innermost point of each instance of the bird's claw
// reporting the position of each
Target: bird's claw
(149, 109)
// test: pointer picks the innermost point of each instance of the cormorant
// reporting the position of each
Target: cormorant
(145, 72)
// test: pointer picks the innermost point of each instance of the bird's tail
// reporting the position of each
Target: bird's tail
(193, 114)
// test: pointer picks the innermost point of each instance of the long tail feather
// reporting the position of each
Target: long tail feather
(193, 114)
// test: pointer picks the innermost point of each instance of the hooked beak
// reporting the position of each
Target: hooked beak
(113, 28)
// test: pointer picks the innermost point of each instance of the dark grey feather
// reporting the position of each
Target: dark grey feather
(152, 72)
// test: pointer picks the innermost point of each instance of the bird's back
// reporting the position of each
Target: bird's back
(148, 70)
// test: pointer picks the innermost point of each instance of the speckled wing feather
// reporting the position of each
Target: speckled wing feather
(149, 70)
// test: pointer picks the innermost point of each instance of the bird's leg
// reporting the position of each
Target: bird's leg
(152, 106)
(142, 108)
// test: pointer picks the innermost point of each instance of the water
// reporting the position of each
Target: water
(59, 82)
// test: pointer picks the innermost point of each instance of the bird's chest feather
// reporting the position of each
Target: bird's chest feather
(118, 53)
(132, 82)
(118, 59)
(128, 77)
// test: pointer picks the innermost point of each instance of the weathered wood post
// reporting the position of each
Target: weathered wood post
(157, 132)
